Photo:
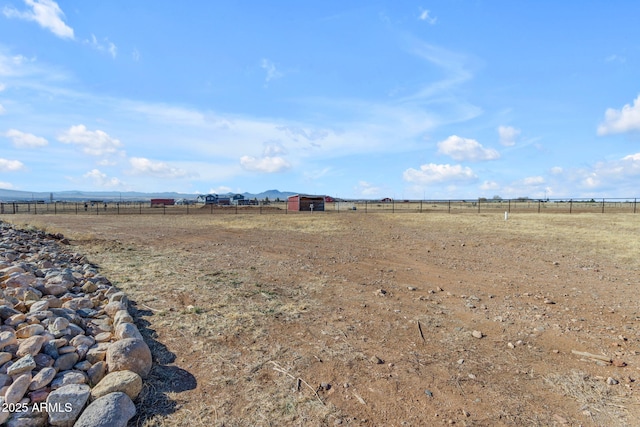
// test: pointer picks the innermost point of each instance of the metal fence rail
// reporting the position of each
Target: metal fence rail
(568, 206)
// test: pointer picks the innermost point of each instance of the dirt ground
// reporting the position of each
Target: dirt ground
(369, 319)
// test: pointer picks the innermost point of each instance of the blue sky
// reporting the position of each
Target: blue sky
(361, 99)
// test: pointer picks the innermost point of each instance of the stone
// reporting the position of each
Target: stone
(68, 377)
(127, 382)
(96, 372)
(5, 357)
(477, 334)
(54, 289)
(31, 345)
(66, 361)
(128, 330)
(89, 287)
(16, 319)
(112, 410)
(43, 360)
(5, 380)
(39, 395)
(129, 354)
(122, 316)
(82, 339)
(39, 306)
(22, 365)
(69, 400)
(114, 307)
(7, 338)
(30, 416)
(29, 331)
(42, 378)
(17, 389)
(103, 337)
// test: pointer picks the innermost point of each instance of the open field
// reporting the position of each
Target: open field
(369, 320)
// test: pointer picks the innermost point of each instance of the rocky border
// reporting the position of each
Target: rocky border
(70, 353)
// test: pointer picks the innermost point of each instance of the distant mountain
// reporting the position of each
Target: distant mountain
(76, 196)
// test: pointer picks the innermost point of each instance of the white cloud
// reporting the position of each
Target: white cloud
(143, 166)
(2, 110)
(508, 135)
(46, 13)
(2, 87)
(616, 58)
(624, 120)
(367, 189)
(461, 149)
(614, 171)
(107, 47)
(489, 185)
(270, 68)
(220, 190)
(264, 164)
(274, 148)
(6, 185)
(433, 173)
(25, 140)
(94, 143)
(426, 16)
(533, 180)
(10, 165)
(102, 180)
(556, 170)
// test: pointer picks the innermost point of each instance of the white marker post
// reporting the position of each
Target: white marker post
(506, 215)
(311, 207)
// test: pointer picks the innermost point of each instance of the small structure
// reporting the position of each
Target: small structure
(387, 200)
(209, 199)
(305, 202)
(162, 202)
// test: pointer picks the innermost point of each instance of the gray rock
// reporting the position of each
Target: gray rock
(42, 378)
(112, 410)
(22, 365)
(129, 355)
(66, 361)
(127, 382)
(17, 389)
(69, 377)
(70, 400)
(128, 330)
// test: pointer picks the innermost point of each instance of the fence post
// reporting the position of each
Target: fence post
(509, 209)
(570, 205)
(393, 206)
(602, 205)
(140, 207)
(365, 206)
(420, 206)
(478, 205)
(634, 205)
(539, 206)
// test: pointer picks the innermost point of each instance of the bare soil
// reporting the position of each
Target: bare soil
(369, 319)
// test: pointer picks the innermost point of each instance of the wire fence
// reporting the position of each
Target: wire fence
(566, 206)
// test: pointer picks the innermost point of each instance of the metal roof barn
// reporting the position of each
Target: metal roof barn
(305, 202)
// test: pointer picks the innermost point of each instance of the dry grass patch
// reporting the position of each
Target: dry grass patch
(605, 405)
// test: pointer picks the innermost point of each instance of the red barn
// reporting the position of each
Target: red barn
(305, 202)
(162, 202)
